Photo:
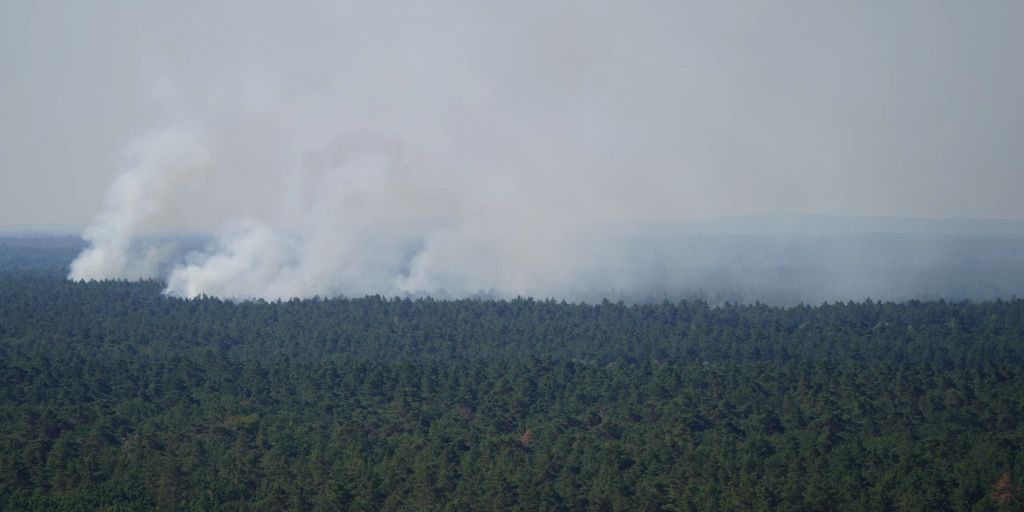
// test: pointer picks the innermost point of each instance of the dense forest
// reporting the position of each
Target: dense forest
(116, 397)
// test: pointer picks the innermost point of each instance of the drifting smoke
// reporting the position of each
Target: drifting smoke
(354, 219)
(458, 149)
(155, 163)
(465, 156)
(357, 218)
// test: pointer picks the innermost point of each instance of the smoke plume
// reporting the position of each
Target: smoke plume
(527, 148)
(154, 163)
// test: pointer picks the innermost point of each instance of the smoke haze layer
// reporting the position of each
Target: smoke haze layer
(466, 148)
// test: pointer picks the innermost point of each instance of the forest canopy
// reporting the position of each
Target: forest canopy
(117, 397)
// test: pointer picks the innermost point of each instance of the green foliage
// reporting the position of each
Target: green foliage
(114, 397)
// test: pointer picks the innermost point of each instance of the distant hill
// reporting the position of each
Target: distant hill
(840, 225)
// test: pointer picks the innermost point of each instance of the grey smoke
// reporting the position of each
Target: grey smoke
(459, 148)
(154, 164)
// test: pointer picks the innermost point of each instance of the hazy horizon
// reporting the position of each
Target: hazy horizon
(460, 146)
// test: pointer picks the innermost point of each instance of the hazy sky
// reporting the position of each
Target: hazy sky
(644, 110)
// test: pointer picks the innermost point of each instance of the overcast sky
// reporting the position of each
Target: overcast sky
(655, 110)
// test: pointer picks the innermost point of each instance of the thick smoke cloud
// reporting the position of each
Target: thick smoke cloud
(392, 156)
(355, 218)
(154, 164)
(462, 148)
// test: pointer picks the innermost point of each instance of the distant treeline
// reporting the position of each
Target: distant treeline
(40, 255)
(125, 319)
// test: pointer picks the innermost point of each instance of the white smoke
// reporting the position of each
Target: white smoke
(454, 158)
(363, 215)
(461, 148)
(156, 164)
(330, 232)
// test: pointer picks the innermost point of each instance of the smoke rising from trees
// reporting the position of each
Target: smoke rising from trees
(470, 148)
